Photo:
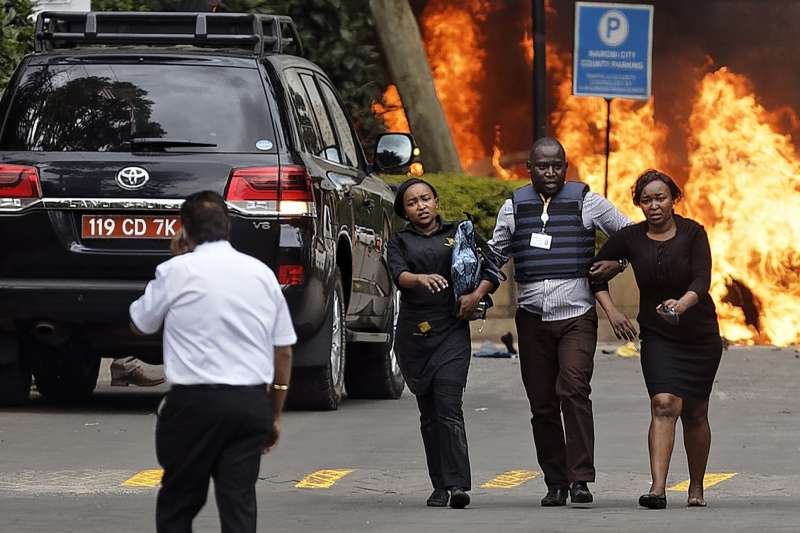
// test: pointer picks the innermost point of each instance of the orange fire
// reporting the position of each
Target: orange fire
(744, 186)
(391, 111)
(454, 48)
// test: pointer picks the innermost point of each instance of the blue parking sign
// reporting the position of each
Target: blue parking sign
(613, 50)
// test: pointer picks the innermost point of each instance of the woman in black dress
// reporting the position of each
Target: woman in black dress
(432, 340)
(681, 346)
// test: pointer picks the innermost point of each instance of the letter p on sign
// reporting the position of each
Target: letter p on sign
(613, 28)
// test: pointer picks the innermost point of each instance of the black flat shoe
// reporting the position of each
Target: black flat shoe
(579, 493)
(653, 501)
(458, 498)
(438, 498)
(556, 497)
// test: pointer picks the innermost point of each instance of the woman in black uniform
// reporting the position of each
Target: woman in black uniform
(432, 340)
(681, 345)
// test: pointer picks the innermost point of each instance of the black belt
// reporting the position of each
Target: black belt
(219, 386)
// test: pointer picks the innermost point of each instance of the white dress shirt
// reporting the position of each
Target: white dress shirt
(223, 313)
(558, 299)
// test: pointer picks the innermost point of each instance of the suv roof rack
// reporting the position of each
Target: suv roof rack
(260, 33)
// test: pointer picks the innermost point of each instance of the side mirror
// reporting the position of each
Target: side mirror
(393, 150)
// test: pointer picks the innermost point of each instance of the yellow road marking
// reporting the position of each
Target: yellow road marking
(322, 479)
(145, 478)
(708, 481)
(510, 479)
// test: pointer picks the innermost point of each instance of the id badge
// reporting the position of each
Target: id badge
(541, 240)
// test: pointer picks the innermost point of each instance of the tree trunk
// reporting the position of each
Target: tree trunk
(408, 65)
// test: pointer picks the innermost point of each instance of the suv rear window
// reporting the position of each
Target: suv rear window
(99, 108)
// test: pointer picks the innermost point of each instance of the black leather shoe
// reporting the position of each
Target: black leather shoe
(579, 493)
(653, 501)
(438, 498)
(556, 497)
(458, 498)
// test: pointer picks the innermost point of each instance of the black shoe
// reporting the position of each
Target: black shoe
(508, 340)
(458, 498)
(653, 501)
(579, 493)
(438, 498)
(556, 497)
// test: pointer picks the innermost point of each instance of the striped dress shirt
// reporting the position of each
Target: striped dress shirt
(557, 299)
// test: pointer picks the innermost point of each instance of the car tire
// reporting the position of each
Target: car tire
(15, 373)
(66, 372)
(320, 388)
(372, 370)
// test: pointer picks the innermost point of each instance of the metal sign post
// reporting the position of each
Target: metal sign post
(613, 54)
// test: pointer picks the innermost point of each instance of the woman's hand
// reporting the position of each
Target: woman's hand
(468, 303)
(602, 271)
(433, 282)
(623, 327)
(676, 306)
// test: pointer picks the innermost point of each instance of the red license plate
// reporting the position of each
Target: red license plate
(129, 227)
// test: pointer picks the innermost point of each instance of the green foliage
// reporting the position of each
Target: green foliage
(16, 36)
(479, 196)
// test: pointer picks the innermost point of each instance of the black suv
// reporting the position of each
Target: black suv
(112, 121)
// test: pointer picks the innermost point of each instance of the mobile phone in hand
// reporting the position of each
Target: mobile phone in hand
(668, 314)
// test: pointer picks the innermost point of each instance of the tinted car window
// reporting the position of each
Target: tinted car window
(309, 135)
(342, 125)
(101, 107)
(330, 146)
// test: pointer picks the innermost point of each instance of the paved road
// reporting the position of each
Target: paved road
(72, 469)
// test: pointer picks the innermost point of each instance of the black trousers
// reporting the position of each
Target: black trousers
(208, 432)
(443, 434)
(557, 360)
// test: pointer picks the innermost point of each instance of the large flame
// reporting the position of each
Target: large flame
(453, 41)
(391, 111)
(744, 185)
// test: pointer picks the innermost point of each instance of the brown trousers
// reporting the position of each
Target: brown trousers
(556, 361)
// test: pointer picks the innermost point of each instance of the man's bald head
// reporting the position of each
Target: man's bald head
(549, 145)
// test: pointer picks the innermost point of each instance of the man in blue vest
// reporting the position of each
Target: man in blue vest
(548, 227)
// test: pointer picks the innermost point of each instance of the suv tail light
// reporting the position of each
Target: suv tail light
(291, 274)
(284, 190)
(19, 186)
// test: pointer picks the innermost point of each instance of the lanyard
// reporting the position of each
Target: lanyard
(545, 217)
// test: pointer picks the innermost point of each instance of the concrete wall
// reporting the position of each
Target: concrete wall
(500, 318)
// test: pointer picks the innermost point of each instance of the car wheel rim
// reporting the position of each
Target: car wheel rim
(336, 343)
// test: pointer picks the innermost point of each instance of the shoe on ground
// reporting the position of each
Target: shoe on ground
(653, 501)
(458, 498)
(122, 377)
(438, 498)
(579, 493)
(555, 497)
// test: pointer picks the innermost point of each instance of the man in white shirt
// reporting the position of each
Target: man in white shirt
(227, 357)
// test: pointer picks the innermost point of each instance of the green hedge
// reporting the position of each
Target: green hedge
(479, 196)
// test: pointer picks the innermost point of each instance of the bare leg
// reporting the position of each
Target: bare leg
(664, 410)
(697, 441)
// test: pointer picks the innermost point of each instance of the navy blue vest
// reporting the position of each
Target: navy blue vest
(572, 248)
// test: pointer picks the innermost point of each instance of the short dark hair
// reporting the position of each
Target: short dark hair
(399, 205)
(648, 177)
(205, 218)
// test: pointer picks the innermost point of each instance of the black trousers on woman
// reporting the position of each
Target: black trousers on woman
(443, 434)
(206, 432)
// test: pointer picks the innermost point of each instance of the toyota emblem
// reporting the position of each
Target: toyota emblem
(132, 178)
